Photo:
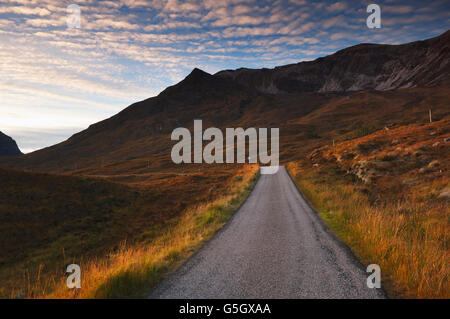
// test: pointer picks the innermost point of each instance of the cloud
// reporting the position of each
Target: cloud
(177, 6)
(397, 9)
(298, 2)
(338, 21)
(241, 9)
(25, 11)
(238, 20)
(337, 6)
(340, 35)
(30, 91)
(43, 23)
(235, 32)
(172, 25)
(110, 23)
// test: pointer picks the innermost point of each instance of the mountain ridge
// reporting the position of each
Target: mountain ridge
(140, 134)
(364, 66)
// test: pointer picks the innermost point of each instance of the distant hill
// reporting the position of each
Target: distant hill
(8, 147)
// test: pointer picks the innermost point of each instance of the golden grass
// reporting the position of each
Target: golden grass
(131, 271)
(408, 239)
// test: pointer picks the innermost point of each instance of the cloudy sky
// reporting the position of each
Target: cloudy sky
(55, 80)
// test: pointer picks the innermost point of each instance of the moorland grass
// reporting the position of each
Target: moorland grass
(131, 270)
(408, 239)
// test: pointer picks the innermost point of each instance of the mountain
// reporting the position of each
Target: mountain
(361, 67)
(335, 97)
(8, 147)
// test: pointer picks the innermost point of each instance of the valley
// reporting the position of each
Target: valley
(354, 133)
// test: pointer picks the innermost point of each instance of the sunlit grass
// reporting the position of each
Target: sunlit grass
(132, 270)
(408, 239)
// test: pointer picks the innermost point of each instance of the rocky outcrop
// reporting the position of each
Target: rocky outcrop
(367, 171)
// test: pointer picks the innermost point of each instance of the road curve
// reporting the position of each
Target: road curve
(275, 246)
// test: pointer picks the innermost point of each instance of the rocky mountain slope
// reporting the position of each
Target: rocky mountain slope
(8, 147)
(361, 67)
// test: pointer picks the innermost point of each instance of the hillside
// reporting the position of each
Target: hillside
(394, 162)
(386, 194)
(48, 220)
(8, 147)
(125, 147)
